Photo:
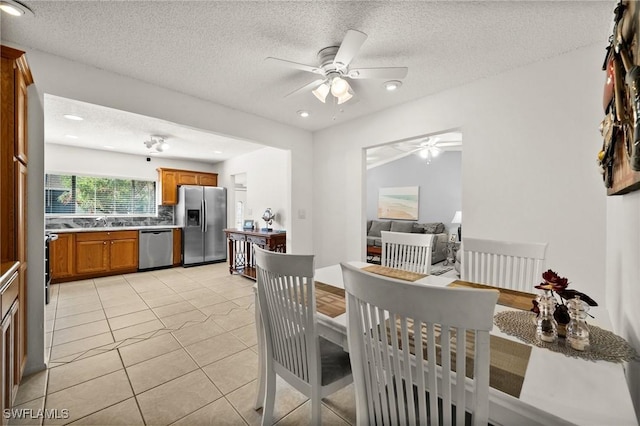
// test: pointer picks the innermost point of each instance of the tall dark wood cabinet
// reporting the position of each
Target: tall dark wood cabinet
(15, 78)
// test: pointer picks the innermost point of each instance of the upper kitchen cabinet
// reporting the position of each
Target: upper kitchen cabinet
(170, 179)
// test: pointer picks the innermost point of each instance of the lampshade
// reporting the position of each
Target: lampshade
(321, 92)
(339, 87)
(344, 98)
(457, 218)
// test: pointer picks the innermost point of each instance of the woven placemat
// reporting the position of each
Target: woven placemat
(511, 298)
(394, 273)
(330, 300)
(603, 344)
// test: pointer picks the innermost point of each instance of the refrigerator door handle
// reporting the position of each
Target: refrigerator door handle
(202, 220)
(204, 205)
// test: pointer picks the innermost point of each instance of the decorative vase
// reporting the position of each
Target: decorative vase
(546, 326)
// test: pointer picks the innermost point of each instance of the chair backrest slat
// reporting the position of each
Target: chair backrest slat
(407, 251)
(513, 265)
(403, 338)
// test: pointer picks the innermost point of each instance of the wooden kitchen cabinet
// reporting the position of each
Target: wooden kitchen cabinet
(104, 253)
(91, 256)
(15, 78)
(177, 247)
(123, 253)
(61, 256)
(11, 343)
(187, 178)
(208, 179)
(170, 179)
(169, 186)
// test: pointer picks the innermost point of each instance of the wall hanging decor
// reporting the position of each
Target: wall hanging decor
(619, 158)
(398, 203)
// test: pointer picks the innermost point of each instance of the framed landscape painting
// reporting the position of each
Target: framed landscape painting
(398, 203)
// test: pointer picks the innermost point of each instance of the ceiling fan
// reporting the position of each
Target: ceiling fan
(156, 144)
(334, 69)
(431, 147)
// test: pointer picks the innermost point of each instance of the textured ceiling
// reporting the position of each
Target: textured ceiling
(108, 129)
(215, 50)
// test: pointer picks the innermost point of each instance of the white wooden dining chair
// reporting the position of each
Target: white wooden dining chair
(506, 264)
(407, 251)
(385, 318)
(314, 366)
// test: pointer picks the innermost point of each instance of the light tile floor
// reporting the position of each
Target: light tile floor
(173, 346)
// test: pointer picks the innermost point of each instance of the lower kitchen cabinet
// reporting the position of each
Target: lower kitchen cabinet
(11, 346)
(92, 256)
(104, 253)
(123, 253)
(177, 247)
(61, 252)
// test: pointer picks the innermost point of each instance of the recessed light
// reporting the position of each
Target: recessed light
(217, 152)
(14, 8)
(108, 146)
(71, 136)
(392, 85)
(73, 117)
(303, 114)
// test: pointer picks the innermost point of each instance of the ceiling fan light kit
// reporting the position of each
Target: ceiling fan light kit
(334, 68)
(156, 144)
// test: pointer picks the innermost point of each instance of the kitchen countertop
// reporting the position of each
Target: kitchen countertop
(111, 228)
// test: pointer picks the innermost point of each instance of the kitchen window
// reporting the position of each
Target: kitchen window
(71, 195)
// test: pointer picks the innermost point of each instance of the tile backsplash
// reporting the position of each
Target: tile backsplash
(165, 217)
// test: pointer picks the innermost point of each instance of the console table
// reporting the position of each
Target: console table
(241, 244)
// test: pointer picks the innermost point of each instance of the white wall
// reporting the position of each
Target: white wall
(267, 184)
(58, 76)
(623, 276)
(70, 159)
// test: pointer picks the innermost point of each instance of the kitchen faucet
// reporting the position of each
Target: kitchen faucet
(102, 220)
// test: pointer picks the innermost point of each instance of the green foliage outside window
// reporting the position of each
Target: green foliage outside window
(97, 196)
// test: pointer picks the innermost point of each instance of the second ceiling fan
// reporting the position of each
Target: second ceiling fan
(334, 69)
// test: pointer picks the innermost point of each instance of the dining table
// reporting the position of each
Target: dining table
(552, 388)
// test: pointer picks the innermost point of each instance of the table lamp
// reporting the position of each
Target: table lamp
(457, 220)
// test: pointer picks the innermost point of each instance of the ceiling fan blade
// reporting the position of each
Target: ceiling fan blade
(307, 87)
(391, 73)
(446, 144)
(295, 65)
(349, 47)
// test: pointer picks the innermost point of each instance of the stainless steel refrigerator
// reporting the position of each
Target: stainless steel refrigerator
(202, 214)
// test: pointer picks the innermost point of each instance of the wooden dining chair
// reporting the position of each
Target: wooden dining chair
(407, 251)
(313, 365)
(506, 264)
(394, 324)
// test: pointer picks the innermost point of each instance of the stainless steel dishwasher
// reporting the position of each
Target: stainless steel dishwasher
(155, 248)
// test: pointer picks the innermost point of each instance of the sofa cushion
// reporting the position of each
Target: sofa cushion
(374, 241)
(418, 228)
(377, 226)
(433, 228)
(369, 222)
(397, 226)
